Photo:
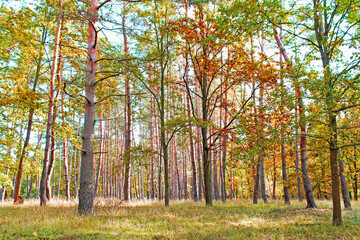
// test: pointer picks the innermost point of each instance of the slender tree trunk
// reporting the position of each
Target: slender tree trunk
(164, 146)
(59, 175)
(344, 187)
(332, 122)
(86, 191)
(215, 182)
(337, 219)
(37, 188)
(12, 194)
(53, 184)
(152, 185)
(262, 180)
(262, 164)
(185, 177)
(127, 118)
(232, 195)
(98, 170)
(206, 167)
(66, 169)
(298, 179)
(305, 174)
(302, 122)
(192, 153)
(50, 110)
(284, 172)
(274, 176)
(30, 187)
(77, 163)
(224, 148)
(2, 191)
(200, 191)
(160, 149)
(141, 183)
(177, 175)
(283, 153)
(51, 162)
(257, 181)
(355, 181)
(30, 121)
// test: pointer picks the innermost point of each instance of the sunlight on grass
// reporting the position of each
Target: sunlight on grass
(114, 219)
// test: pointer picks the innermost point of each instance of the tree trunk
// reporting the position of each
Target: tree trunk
(344, 187)
(127, 118)
(262, 180)
(224, 145)
(66, 169)
(232, 195)
(355, 181)
(86, 191)
(257, 180)
(30, 187)
(337, 220)
(164, 146)
(274, 176)
(51, 163)
(50, 110)
(77, 163)
(192, 153)
(215, 182)
(262, 164)
(37, 193)
(302, 122)
(200, 191)
(30, 120)
(305, 174)
(98, 170)
(59, 175)
(297, 156)
(152, 184)
(2, 191)
(185, 177)
(283, 153)
(206, 166)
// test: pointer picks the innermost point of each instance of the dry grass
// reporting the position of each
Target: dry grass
(182, 220)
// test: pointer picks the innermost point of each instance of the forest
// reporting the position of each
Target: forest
(180, 107)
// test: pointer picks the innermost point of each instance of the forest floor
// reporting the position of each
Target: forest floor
(237, 219)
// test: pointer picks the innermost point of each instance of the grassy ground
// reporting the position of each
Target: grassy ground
(182, 220)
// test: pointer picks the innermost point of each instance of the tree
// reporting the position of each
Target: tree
(50, 110)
